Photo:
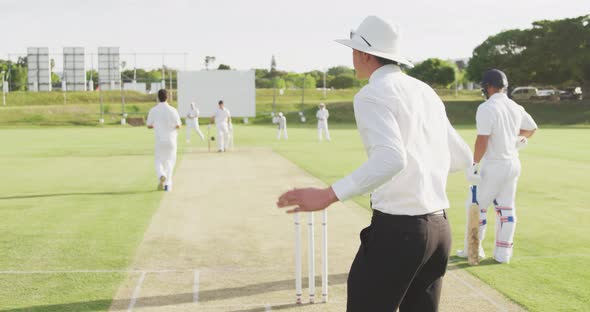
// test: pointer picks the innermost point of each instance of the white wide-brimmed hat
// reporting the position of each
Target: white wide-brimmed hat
(377, 37)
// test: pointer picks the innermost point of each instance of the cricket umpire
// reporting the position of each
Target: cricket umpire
(411, 148)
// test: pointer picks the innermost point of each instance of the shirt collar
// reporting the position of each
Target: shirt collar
(384, 70)
(499, 95)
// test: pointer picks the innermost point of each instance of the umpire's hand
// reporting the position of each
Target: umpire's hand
(307, 199)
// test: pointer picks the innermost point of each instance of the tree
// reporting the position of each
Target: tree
(339, 70)
(551, 52)
(209, 60)
(55, 79)
(435, 72)
(223, 67)
(16, 73)
(343, 81)
(502, 51)
(318, 76)
(92, 75)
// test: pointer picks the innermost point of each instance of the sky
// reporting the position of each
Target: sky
(246, 33)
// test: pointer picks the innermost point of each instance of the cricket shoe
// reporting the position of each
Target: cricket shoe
(161, 184)
(167, 188)
(463, 254)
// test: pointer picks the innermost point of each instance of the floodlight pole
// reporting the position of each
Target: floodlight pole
(101, 120)
(274, 94)
(123, 115)
(163, 86)
(91, 81)
(170, 80)
(324, 84)
(302, 92)
(64, 90)
(134, 69)
(10, 71)
(456, 86)
(3, 88)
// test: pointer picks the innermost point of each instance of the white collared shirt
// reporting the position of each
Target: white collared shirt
(222, 116)
(282, 121)
(322, 115)
(193, 113)
(501, 119)
(164, 118)
(410, 143)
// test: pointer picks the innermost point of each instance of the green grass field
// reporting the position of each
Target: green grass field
(83, 108)
(72, 199)
(81, 198)
(550, 270)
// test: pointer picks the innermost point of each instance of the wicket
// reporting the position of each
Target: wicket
(311, 258)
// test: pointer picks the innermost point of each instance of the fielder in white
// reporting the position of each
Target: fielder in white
(165, 121)
(192, 123)
(322, 115)
(502, 129)
(282, 123)
(222, 120)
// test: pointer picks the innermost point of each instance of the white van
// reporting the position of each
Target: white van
(524, 93)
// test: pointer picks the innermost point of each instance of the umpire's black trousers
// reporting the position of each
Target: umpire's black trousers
(400, 264)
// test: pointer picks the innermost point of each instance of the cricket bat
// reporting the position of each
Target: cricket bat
(473, 229)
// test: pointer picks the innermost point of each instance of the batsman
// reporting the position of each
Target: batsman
(503, 128)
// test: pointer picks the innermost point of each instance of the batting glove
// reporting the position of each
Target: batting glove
(472, 174)
(521, 142)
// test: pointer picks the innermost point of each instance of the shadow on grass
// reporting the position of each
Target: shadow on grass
(75, 194)
(169, 300)
(275, 307)
(457, 263)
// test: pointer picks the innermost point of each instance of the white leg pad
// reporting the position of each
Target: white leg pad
(505, 227)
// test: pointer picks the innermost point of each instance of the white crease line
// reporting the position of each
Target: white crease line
(535, 257)
(477, 291)
(267, 307)
(196, 287)
(136, 292)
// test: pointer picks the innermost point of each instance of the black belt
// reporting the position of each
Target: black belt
(442, 213)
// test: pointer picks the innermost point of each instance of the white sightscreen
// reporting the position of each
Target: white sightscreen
(74, 69)
(206, 88)
(39, 69)
(109, 70)
(135, 86)
(155, 87)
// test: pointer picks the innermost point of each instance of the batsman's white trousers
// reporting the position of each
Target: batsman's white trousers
(193, 124)
(165, 160)
(498, 186)
(222, 136)
(323, 127)
(284, 132)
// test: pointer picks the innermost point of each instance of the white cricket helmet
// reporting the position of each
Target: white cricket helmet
(280, 114)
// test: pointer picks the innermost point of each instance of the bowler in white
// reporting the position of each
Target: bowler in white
(165, 121)
(222, 120)
(192, 123)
